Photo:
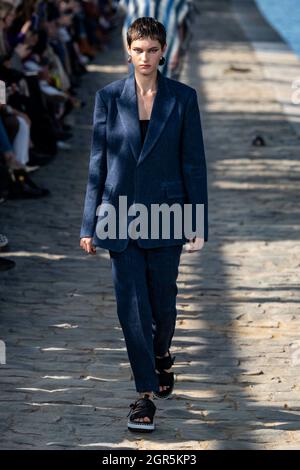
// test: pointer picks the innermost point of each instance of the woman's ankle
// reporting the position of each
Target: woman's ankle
(142, 394)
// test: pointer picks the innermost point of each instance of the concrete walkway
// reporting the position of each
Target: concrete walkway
(67, 383)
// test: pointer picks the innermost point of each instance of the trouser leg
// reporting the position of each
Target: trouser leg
(129, 272)
(162, 272)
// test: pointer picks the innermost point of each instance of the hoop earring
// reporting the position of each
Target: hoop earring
(162, 61)
(129, 59)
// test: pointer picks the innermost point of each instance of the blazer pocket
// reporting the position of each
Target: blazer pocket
(107, 191)
(174, 189)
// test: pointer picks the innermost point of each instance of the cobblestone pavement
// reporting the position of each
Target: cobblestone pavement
(67, 383)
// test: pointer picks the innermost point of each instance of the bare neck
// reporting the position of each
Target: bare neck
(146, 85)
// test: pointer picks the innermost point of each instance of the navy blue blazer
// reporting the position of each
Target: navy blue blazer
(169, 167)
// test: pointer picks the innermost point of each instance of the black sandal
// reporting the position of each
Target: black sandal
(165, 378)
(142, 408)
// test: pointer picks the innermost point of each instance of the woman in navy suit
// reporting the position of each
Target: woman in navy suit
(147, 147)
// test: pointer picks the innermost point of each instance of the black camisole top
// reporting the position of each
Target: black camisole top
(144, 126)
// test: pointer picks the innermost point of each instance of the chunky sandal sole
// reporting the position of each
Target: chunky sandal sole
(163, 397)
(140, 427)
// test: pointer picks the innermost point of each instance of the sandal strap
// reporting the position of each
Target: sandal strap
(142, 408)
(166, 378)
(164, 362)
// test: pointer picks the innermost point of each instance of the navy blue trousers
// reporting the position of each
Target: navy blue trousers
(146, 289)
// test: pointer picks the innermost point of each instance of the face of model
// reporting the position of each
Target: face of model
(146, 54)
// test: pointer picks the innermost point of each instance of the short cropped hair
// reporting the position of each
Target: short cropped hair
(145, 27)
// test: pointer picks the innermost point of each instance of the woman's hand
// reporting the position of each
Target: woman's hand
(25, 27)
(86, 245)
(195, 244)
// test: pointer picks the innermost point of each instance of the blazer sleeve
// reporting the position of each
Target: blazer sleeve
(193, 158)
(97, 168)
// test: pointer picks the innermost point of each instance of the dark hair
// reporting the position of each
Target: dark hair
(144, 27)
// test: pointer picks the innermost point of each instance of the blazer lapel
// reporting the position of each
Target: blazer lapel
(127, 104)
